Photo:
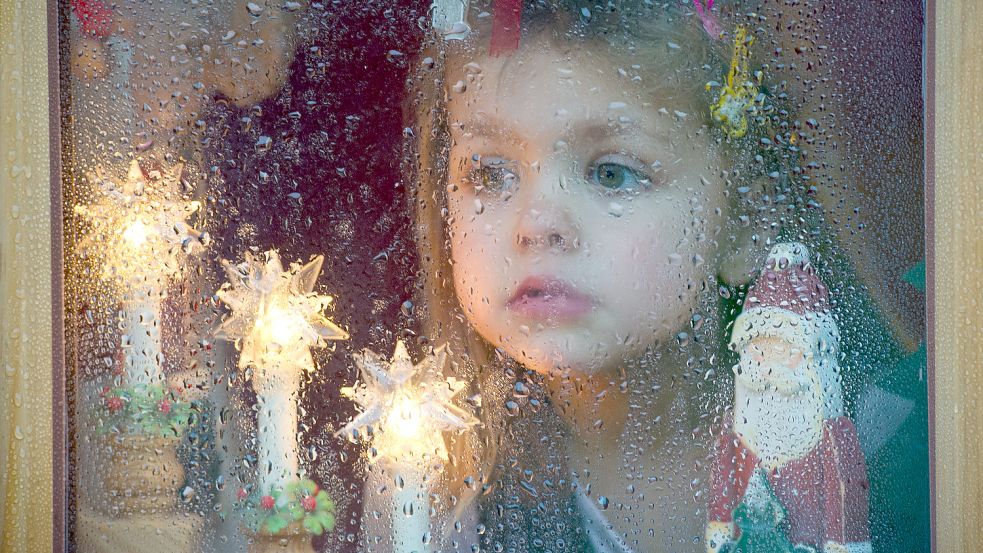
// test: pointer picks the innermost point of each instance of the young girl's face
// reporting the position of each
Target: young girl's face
(582, 209)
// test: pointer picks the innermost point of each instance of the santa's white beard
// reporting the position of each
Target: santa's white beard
(778, 427)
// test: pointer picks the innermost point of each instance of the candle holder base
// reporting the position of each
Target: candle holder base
(143, 477)
(97, 532)
(130, 501)
(292, 539)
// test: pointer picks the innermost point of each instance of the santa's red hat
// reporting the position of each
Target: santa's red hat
(788, 301)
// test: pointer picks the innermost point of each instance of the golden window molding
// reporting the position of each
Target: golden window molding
(28, 259)
(957, 255)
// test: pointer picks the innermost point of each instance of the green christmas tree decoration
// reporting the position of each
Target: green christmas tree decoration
(759, 518)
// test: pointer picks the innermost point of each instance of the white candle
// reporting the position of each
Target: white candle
(398, 491)
(411, 500)
(139, 233)
(144, 354)
(142, 307)
(276, 378)
(276, 426)
(276, 319)
(410, 407)
(408, 450)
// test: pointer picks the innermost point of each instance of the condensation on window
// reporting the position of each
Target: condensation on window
(495, 275)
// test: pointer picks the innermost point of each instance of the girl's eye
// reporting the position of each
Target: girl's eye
(619, 173)
(494, 173)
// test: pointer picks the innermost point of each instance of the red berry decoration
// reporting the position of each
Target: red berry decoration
(114, 404)
(309, 503)
(267, 503)
(164, 406)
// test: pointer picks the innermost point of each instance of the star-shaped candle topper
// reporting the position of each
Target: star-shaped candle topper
(276, 316)
(139, 228)
(406, 405)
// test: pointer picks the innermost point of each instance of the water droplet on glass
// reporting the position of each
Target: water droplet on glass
(603, 502)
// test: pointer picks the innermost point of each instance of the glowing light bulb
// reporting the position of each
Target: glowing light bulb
(136, 234)
(280, 326)
(406, 420)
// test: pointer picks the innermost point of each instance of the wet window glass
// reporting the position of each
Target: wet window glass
(495, 275)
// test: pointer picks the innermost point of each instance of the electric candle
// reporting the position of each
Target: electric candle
(276, 319)
(405, 408)
(151, 219)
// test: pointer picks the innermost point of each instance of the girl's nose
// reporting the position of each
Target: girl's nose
(545, 222)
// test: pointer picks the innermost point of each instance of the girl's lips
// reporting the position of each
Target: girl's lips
(545, 297)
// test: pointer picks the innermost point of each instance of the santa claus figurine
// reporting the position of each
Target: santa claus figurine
(788, 429)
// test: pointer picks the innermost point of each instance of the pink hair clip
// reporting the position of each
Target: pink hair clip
(710, 23)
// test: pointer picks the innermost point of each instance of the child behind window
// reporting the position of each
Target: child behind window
(578, 213)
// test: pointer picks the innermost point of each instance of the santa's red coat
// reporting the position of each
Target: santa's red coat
(825, 493)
